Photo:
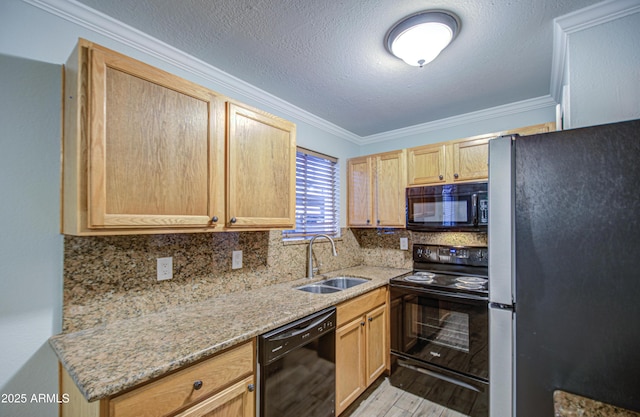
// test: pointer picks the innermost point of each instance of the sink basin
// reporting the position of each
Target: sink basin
(344, 282)
(319, 289)
(331, 285)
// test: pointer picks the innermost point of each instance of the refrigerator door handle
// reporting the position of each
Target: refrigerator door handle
(501, 364)
(501, 237)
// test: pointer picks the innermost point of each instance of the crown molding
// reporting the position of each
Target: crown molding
(108, 27)
(579, 20)
(476, 116)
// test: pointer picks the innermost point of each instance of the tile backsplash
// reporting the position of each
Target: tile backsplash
(109, 278)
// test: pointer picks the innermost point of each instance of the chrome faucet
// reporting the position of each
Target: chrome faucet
(310, 265)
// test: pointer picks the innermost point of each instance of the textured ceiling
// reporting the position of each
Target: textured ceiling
(328, 57)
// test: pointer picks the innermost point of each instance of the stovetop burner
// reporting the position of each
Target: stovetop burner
(449, 268)
(425, 277)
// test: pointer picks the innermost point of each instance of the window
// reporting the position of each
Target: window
(317, 196)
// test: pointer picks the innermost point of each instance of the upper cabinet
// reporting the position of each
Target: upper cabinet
(375, 190)
(426, 164)
(145, 151)
(262, 169)
(463, 160)
(459, 160)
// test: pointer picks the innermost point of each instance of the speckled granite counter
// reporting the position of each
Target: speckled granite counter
(571, 405)
(108, 359)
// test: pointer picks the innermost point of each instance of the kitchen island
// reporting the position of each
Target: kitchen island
(107, 360)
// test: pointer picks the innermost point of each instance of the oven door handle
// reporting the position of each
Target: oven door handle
(455, 381)
(447, 296)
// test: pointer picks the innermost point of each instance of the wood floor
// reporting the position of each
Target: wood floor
(384, 400)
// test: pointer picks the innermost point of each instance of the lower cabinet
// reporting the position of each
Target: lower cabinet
(235, 401)
(362, 345)
(221, 386)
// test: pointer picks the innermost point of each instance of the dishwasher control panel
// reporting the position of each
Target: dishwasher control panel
(282, 340)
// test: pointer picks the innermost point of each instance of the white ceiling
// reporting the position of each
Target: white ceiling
(328, 57)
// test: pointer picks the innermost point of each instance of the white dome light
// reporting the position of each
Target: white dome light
(419, 38)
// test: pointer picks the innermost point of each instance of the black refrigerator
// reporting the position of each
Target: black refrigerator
(564, 268)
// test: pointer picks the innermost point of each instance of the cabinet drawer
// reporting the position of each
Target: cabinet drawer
(176, 391)
(351, 309)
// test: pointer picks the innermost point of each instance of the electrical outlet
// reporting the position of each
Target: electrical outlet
(404, 243)
(165, 268)
(236, 259)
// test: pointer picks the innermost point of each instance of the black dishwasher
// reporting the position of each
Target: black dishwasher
(297, 368)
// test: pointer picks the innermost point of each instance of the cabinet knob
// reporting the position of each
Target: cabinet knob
(378, 221)
(370, 318)
(197, 385)
(214, 219)
(455, 175)
(233, 220)
(251, 387)
(368, 221)
(362, 323)
(440, 176)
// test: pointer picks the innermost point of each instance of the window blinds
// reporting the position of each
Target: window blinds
(317, 195)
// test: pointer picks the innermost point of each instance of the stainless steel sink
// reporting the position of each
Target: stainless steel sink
(332, 285)
(344, 282)
(318, 289)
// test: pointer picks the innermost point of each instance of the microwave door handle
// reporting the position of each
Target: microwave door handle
(474, 208)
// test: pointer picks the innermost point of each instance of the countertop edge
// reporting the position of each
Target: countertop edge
(93, 390)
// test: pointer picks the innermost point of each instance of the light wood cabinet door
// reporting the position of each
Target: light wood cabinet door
(426, 164)
(362, 344)
(155, 150)
(470, 160)
(350, 363)
(360, 192)
(377, 351)
(261, 187)
(390, 183)
(375, 189)
(236, 401)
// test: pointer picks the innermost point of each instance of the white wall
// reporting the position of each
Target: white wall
(604, 72)
(30, 243)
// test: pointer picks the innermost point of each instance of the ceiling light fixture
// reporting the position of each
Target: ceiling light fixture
(418, 39)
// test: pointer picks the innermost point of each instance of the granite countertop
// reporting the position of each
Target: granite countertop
(567, 404)
(106, 360)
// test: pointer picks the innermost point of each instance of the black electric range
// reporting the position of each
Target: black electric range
(454, 269)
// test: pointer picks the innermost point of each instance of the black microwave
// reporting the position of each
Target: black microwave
(448, 207)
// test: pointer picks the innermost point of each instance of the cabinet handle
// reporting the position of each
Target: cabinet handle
(440, 176)
(197, 385)
(455, 175)
(251, 387)
(214, 219)
(233, 220)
